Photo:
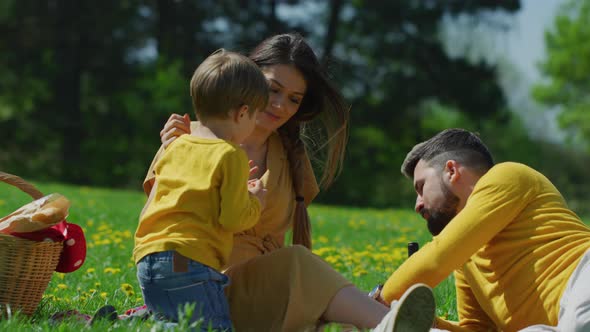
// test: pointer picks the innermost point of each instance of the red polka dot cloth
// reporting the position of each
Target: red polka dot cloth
(74, 252)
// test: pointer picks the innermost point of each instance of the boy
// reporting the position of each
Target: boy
(202, 195)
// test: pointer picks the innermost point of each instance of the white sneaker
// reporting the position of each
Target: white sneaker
(414, 312)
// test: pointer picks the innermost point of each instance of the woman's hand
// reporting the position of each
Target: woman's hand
(175, 126)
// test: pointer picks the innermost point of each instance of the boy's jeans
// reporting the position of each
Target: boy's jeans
(166, 291)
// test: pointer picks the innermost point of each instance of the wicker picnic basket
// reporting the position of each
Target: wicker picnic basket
(26, 266)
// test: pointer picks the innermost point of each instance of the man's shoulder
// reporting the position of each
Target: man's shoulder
(512, 173)
(510, 167)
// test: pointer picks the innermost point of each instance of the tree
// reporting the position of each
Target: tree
(85, 86)
(567, 69)
(394, 69)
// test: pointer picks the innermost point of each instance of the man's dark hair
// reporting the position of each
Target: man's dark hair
(456, 144)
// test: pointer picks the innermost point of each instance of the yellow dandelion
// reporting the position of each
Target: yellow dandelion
(62, 286)
(104, 227)
(90, 270)
(331, 259)
(112, 270)
(353, 224)
(359, 272)
(103, 295)
(126, 287)
(323, 251)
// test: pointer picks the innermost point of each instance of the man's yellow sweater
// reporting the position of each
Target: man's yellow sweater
(512, 248)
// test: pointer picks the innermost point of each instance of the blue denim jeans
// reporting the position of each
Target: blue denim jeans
(166, 291)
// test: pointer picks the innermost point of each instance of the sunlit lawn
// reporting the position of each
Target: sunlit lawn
(364, 245)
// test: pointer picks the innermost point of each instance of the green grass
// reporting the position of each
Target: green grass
(365, 245)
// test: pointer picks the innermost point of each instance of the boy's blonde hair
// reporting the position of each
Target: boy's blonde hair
(226, 81)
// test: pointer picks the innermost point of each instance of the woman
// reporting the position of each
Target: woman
(276, 288)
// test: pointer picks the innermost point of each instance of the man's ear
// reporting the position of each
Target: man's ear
(452, 171)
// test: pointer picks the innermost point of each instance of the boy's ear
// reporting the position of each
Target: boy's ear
(240, 112)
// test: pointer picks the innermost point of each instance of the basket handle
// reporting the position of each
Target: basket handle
(21, 184)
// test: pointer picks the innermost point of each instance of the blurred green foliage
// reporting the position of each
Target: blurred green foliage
(85, 87)
(567, 69)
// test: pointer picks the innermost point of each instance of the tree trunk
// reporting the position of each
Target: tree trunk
(165, 29)
(67, 86)
(335, 7)
(273, 22)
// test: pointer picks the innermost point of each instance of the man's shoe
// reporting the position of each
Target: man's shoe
(414, 312)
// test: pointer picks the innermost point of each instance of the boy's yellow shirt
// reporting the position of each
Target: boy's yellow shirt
(199, 201)
(278, 215)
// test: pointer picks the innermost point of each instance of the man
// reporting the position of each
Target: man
(519, 254)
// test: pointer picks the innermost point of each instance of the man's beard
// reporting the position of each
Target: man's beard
(438, 219)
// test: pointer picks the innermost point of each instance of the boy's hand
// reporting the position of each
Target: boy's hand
(175, 126)
(253, 168)
(256, 188)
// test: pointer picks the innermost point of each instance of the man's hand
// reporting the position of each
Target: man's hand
(375, 294)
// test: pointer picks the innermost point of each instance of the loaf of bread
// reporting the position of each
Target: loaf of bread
(37, 215)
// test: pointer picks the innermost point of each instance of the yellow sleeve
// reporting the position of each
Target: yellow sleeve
(239, 210)
(496, 200)
(150, 177)
(471, 315)
(447, 325)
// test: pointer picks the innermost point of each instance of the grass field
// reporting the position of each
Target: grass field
(364, 245)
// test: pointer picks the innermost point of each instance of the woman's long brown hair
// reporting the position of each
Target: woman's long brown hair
(321, 121)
